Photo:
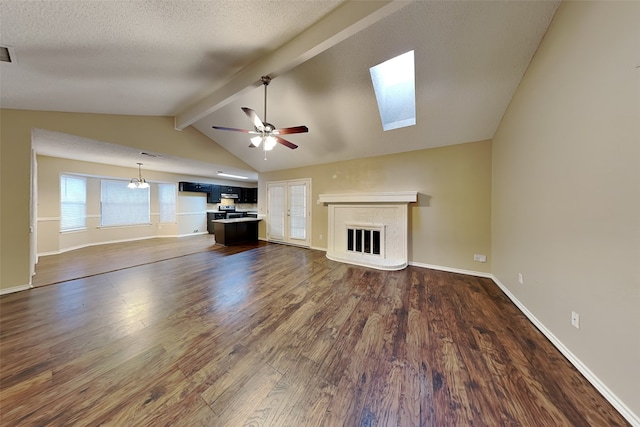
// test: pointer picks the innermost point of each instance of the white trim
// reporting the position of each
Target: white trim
(191, 213)
(113, 227)
(48, 218)
(452, 270)
(15, 289)
(188, 234)
(57, 218)
(610, 396)
(378, 197)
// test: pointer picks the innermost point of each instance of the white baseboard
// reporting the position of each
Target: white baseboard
(611, 397)
(15, 289)
(200, 233)
(452, 270)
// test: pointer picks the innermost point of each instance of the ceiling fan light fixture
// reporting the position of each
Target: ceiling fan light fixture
(256, 140)
(266, 133)
(269, 143)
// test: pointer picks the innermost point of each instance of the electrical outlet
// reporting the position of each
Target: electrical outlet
(321, 237)
(575, 320)
(521, 278)
(479, 258)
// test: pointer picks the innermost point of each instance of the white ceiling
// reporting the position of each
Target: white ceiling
(202, 60)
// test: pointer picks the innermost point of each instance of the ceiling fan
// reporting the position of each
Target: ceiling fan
(266, 133)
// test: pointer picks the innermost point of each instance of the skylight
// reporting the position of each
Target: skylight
(395, 88)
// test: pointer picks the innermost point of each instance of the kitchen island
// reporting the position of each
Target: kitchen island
(236, 230)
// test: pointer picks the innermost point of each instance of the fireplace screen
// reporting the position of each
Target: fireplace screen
(363, 240)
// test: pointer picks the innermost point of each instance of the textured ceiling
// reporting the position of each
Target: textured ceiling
(137, 57)
(162, 57)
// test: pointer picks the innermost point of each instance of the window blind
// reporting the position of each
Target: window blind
(73, 203)
(297, 211)
(121, 205)
(276, 212)
(167, 202)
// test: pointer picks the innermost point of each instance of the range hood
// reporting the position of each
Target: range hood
(228, 196)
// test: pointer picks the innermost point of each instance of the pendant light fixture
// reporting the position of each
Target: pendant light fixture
(138, 182)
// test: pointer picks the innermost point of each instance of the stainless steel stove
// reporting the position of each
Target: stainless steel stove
(230, 211)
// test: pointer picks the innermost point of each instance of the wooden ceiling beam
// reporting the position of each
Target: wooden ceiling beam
(340, 24)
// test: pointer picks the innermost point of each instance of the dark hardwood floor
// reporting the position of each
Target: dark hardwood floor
(272, 335)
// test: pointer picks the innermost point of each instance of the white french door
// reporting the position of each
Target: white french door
(289, 212)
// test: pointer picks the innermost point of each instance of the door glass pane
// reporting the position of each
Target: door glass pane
(276, 212)
(297, 211)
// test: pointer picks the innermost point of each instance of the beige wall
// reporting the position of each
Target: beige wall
(566, 189)
(190, 216)
(148, 133)
(452, 219)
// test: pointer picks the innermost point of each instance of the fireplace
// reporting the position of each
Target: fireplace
(369, 229)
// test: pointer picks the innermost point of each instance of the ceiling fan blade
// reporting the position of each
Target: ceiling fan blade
(236, 130)
(253, 116)
(285, 142)
(294, 129)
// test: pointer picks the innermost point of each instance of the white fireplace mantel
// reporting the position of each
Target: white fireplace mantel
(379, 197)
(382, 214)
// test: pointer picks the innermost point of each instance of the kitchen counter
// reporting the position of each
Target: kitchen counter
(235, 231)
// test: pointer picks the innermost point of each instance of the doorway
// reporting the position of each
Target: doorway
(289, 212)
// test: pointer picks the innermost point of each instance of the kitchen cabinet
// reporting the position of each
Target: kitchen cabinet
(242, 197)
(214, 194)
(253, 195)
(194, 186)
(248, 195)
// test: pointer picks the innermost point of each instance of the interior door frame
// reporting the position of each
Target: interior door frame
(287, 240)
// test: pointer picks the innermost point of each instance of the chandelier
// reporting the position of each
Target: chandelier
(138, 182)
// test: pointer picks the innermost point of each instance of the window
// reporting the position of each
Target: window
(73, 203)
(395, 89)
(123, 206)
(167, 202)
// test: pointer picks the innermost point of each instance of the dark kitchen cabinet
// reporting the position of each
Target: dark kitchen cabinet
(194, 186)
(247, 195)
(243, 195)
(214, 194)
(214, 191)
(250, 195)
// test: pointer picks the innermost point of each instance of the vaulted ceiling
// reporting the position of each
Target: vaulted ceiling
(200, 61)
